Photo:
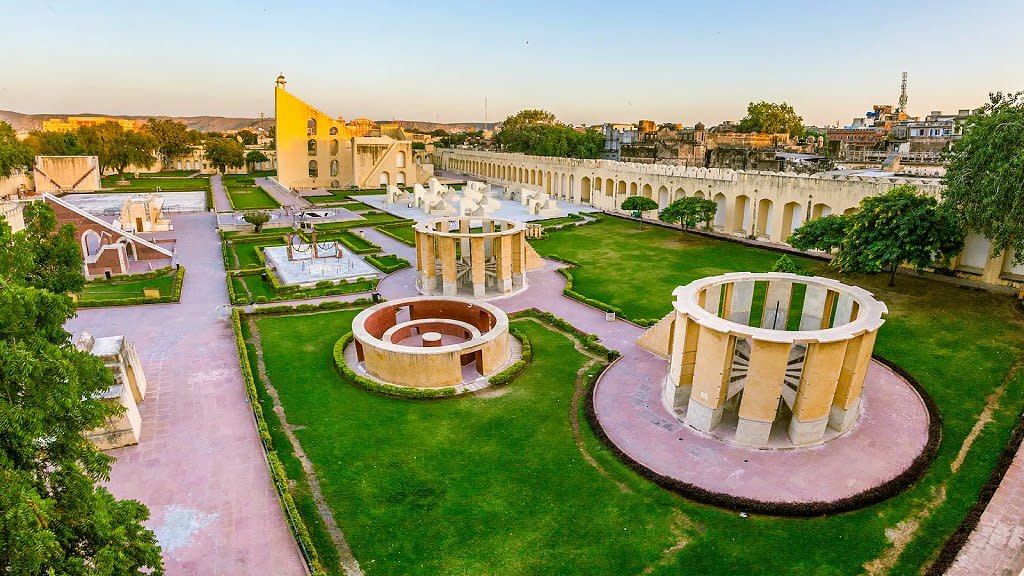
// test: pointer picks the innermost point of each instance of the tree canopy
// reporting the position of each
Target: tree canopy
(985, 176)
(246, 137)
(116, 147)
(172, 138)
(689, 212)
(13, 153)
(638, 205)
(537, 132)
(55, 519)
(771, 118)
(825, 234)
(900, 226)
(224, 152)
(253, 157)
(257, 218)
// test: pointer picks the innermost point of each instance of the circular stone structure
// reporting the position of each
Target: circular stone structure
(474, 257)
(770, 347)
(795, 419)
(424, 342)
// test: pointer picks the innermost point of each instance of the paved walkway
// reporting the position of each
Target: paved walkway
(996, 547)
(200, 466)
(221, 203)
(284, 196)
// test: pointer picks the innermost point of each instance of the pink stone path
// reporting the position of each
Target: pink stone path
(199, 466)
(996, 547)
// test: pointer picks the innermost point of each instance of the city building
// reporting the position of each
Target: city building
(72, 123)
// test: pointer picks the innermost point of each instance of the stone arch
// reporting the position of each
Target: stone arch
(663, 199)
(533, 177)
(720, 211)
(698, 194)
(179, 164)
(609, 187)
(792, 218)
(632, 189)
(741, 214)
(849, 211)
(571, 192)
(598, 184)
(400, 159)
(188, 164)
(820, 210)
(334, 168)
(585, 190)
(764, 218)
(547, 181)
(314, 170)
(622, 188)
(680, 193)
(646, 191)
(311, 147)
(311, 127)
(385, 179)
(400, 179)
(334, 147)
(333, 131)
(91, 242)
(132, 254)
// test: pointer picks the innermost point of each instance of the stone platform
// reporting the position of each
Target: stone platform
(891, 433)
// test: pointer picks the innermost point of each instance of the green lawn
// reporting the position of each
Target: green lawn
(959, 344)
(148, 184)
(126, 288)
(403, 233)
(244, 195)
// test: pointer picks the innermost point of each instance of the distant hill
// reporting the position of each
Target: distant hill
(28, 122)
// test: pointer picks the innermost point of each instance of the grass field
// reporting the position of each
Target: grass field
(495, 484)
(403, 233)
(148, 184)
(126, 288)
(245, 195)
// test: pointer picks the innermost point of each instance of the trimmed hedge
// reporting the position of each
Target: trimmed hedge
(399, 264)
(509, 374)
(385, 230)
(502, 378)
(380, 387)
(277, 472)
(874, 495)
(589, 341)
(174, 296)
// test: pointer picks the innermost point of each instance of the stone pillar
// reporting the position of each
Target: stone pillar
(504, 264)
(477, 264)
(429, 264)
(518, 258)
(464, 247)
(421, 277)
(712, 366)
(682, 358)
(762, 391)
(776, 305)
(740, 299)
(822, 367)
(846, 403)
(449, 271)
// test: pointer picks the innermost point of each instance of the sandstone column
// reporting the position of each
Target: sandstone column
(712, 367)
(504, 264)
(762, 391)
(477, 266)
(851, 381)
(449, 271)
(822, 367)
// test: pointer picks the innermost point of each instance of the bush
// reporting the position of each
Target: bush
(785, 264)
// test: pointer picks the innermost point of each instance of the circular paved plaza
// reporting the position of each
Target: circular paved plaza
(892, 431)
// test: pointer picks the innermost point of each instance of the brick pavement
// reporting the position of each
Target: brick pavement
(199, 466)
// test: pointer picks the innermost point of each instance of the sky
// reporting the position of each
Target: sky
(586, 61)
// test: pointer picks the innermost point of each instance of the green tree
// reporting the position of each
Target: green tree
(825, 234)
(171, 137)
(54, 517)
(254, 157)
(54, 143)
(785, 264)
(116, 147)
(13, 153)
(257, 219)
(638, 205)
(247, 137)
(900, 226)
(688, 212)
(771, 118)
(529, 117)
(985, 176)
(224, 152)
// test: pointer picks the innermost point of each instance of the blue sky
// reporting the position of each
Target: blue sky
(585, 61)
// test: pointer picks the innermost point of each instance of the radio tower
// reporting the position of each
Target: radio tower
(903, 94)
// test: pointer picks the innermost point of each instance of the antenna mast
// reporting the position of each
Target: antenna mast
(903, 94)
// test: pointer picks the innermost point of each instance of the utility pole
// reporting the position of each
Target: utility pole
(903, 94)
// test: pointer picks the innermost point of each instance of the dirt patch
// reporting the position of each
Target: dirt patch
(682, 529)
(991, 403)
(902, 534)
